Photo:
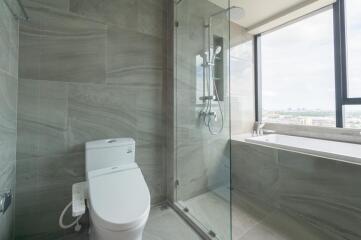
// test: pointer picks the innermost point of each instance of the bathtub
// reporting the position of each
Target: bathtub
(347, 152)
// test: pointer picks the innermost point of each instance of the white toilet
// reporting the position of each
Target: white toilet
(119, 199)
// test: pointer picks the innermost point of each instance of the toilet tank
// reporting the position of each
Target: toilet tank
(109, 153)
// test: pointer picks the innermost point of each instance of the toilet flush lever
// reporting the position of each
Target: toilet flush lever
(5, 201)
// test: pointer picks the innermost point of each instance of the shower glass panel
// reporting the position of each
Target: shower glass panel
(202, 114)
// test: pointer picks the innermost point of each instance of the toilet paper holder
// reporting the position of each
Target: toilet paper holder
(5, 201)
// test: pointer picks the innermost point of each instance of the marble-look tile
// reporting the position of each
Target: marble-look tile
(213, 212)
(314, 190)
(8, 41)
(37, 139)
(151, 17)
(149, 117)
(145, 16)
(134, 59)
(118, 13)
(324, 192)
(279, 226)
(149, 154)
(65, 101)
(68, 47)
(44, 188)
(59, 4)
(247, 213)
(5, 29)
(165, 224)
(8, 111)
(99, 112)
(251, 219)
(8, 103)
(43, 102)
(154, 176)
(255, 171)
(60, 171)
(150, 159)
(6, 220)
(192, 169)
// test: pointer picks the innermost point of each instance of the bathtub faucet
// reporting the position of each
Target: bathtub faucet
(258, 128)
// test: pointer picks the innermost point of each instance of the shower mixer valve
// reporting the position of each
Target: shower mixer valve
(204, 115)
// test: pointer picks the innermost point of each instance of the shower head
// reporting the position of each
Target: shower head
(216, 51)
(235, 13)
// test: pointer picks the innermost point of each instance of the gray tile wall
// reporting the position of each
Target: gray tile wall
(322, 192)
(88, 70)
(8, 110)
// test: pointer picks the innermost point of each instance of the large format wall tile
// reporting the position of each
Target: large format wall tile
(150, 17)
(8, 112)
(100, 111)
(60, 4)
(321, 192)
(8, 42)
(88, 72)
(255, 171)
(119, 13)
(44, 188)
(145, 16)
(63, 47)
(139, 60)
(44, 102)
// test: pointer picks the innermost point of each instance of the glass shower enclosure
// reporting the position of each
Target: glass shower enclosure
(202, 113)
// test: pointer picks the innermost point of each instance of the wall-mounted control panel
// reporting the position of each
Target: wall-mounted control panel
(79, 195)
(5, 201)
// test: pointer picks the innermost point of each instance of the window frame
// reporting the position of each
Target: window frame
(340, 60)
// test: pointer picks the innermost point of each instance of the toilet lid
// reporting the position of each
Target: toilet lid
(119, 200)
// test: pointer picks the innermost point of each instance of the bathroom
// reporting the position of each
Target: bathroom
(180, 119)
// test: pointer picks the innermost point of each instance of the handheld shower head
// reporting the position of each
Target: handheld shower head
(216, 51)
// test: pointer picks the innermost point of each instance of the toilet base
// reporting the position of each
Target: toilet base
(98, 233)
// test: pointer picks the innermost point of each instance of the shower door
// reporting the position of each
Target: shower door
(202, 125)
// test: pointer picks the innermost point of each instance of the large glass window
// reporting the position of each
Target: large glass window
(353, 40)
(297, 72)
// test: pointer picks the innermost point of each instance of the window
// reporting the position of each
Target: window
(308, 72)
(353, 39)
(297, 72)
(352, 53)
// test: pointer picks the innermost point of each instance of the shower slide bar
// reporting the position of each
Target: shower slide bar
(24, 16)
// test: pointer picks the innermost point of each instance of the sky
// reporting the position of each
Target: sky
(298, 62)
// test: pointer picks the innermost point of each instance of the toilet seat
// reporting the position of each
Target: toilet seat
(119, 198)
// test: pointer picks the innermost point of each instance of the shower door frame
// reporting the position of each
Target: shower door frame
(171, 123)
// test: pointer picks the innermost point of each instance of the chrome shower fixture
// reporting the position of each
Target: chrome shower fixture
(216, 51)
(207, 114)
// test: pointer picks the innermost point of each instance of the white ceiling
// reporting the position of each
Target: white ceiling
(259, 12)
